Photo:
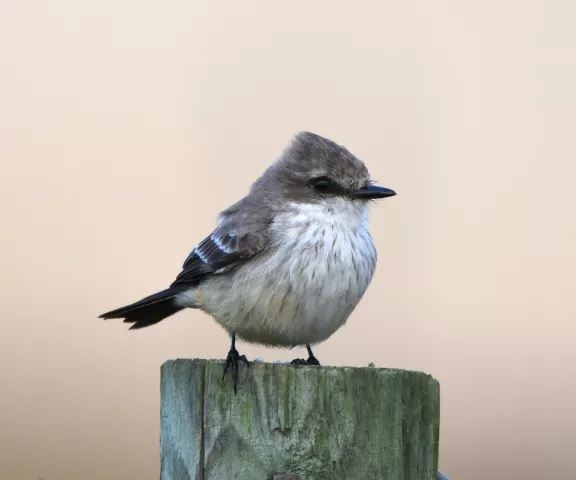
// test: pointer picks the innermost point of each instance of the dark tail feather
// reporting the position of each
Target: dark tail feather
(149, 310)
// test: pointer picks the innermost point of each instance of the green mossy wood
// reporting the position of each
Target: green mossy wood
(300, 423)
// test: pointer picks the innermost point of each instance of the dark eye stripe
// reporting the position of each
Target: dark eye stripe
(325, 185)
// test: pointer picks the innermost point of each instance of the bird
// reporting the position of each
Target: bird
(286, 264)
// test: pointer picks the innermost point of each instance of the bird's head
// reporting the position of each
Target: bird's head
(314, 170)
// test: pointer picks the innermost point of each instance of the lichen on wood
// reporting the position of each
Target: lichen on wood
(308, 423)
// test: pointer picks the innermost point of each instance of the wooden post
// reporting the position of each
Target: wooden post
(297, 423)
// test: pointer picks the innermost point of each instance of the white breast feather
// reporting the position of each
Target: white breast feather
(320, 264)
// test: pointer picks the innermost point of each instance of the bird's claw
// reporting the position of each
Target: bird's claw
(233, 358)
(312, 360)
(298, 361)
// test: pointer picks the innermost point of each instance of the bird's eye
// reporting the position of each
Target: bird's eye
(322, 184)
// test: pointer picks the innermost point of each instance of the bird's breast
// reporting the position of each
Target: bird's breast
(305, 287)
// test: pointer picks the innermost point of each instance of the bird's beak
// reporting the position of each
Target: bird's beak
(372, 192)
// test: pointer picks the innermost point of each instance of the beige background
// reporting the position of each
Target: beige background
(125, 126)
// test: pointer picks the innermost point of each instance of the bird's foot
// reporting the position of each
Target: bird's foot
(312, 360)
(233, 359)
(300, 361)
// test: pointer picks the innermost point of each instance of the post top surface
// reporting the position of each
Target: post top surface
(261, 364)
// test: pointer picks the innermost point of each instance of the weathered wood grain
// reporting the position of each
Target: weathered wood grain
(304, 423)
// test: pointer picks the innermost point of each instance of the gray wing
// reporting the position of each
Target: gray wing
(220, 252)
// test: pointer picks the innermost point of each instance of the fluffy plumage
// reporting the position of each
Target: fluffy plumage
(289, 262)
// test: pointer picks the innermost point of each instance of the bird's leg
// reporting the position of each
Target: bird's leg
(312, 360)
(233, 358)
